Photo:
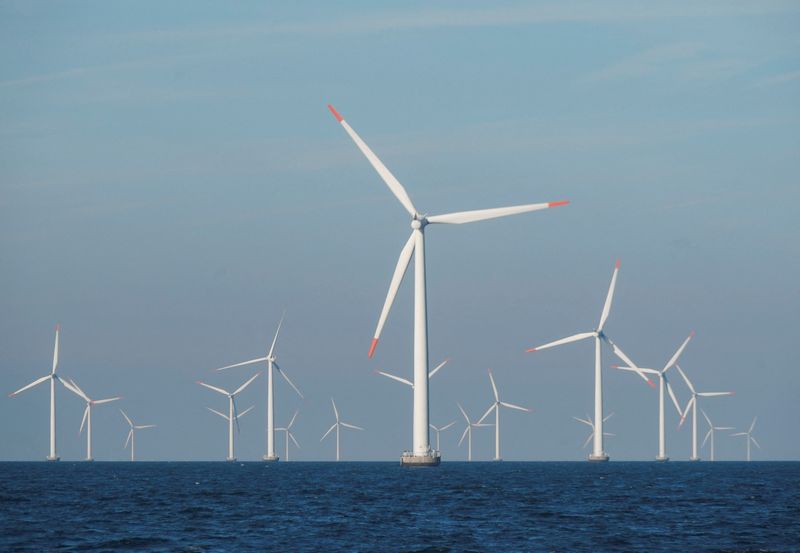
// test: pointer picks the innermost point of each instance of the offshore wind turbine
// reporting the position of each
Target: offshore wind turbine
(233, 415)
(468, 432)
(750, 437)
(132, 433)
(337, 425)
(598, 452)
(288, 430)
(271, 364)
(421, 453)
(52, 377)
(692, 404)
(711, 430)
(663, 382)
(87, 413)
(439, 430)
(496, 408)
(588, 421)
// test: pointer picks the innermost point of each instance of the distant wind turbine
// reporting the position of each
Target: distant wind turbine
(588, 421)
(711, 430)
(288, 430)
(439, 430)
(336, 426)
(496, 408)
(598, 453)
(87, 413)
(132, 433)
(233, 415)
(750, 437)
(468, 431)
(421, 454)
(692, 404)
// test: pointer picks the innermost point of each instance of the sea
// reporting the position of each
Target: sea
(350, 506)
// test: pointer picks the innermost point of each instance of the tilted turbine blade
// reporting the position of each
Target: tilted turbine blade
(724, 428)
(464, 413)
(708, 435)
(584, 421)
(672, 396)
(740, 434)
(291, 422)
(217, 413)
(291, 437)
(353, 426)
(31, 385)
(243, 413)
(464, 435)
(589, 439)
(517, 407)
(127, 418)
(755, 442)
(562, 341)
(635, 369)
(491, 408)
(685, 378)
(397, 378)
(707, 419)
(83, 420)
(210, 387)
(109, 400)
(73, 387)
(494, 387)
(275, 339)
(753, 424)
(394, 285)
(493, 213)
(609, 298)
(621, 354)
(714, 394)
(141, 426)
(608, 416)
(446, 426)
(678, 352)
(335, 411)
(439, 366)
(390, 180)
(235, 414)
(686, 411)
(246, 384)
(130, 433)
(286, 378)
(243, 363)
(328, 432)
(55, 349)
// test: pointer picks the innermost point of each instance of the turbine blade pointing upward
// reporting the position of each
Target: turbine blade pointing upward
(609, 298)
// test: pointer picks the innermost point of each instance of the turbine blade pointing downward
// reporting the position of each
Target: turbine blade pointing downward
(394, 285)
(286, 378)
(493, 213)
(243, 363)
(31, 385)
(210, 387)
(397, 378)
(562, 341)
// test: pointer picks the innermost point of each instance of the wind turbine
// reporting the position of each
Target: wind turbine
(496, 407)
(233, 415)
(289, 435)
(337, 425)
(52, 377)
(598, 453)
(468, 432)
(750, 437)
(692, 404)
(421, 453)
(663, 382)
(271, 364)
(710, 434)
(87, 414)
(439, 430)
(588, 421)
(132, 433)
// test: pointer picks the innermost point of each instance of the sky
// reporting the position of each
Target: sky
(171, 181)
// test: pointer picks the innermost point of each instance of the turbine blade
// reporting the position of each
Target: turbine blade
(246, 384)
(130, 433)
(708, 435)
(141, 426)
(491, 408)
(714, 394)
(335, 411)
(584, 421)
(636, 369)
(707, 419)
(235, 414)
(517, 407)
(353, 426)
(439, 366)
(243, 413)
(752, 425)
(243, 363)
(286, 378)
(740, 434)
(609, 298)
(562, 341)
(724, 428)
(127, 418)
(83, 420)
(494, 387)
(685, 378)
(464, 413)
(397, 378)
(464, 435)
(755, 442)
(621, 354)
(608, 416)
(55, 349)
(291, 437)
(446, 426)
(328, 432)
(217, 413)
(674, 358)
(74, 388)
(109, 400)
(275, 339)
(686, 411)
(291, 422)
(397, 278)
(390, 180)
(210, 387)
(672, 396)
(31, 385)
(493, 213)
(589, 439)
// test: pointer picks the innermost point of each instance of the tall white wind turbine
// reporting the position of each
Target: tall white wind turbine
(468, 431)
(87, 413)
(271, 361)
(496, 408)
(663, 382)
(233, 415)
(336, 426)
(598, 452)
(750, 437)
(692, 404)
(590, 423)
(132, 433)
(52, 377)
(710, 433)
(288, 430)
(421, 453)
(439, 430)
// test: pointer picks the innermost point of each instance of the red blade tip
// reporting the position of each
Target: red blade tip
(530, 350)
(335, 113)
(372, 347)
(651, 383)
(556, 204)
(58, 327)
(619, 262)
(691, 334)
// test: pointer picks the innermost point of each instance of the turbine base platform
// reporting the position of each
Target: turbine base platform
(662, 459)
(497, 459)
(598, 458)
(694, 459)
(230, 459)
(431, 459)
(53, 458)
(88, 460)
(270, 458)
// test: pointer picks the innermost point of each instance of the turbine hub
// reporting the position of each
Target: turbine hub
(416, 224)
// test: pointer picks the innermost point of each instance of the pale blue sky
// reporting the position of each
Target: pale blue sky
(171, 180)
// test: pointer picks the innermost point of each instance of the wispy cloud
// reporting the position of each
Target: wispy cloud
(780, 79)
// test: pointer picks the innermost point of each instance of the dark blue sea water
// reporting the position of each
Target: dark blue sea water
(383, 507)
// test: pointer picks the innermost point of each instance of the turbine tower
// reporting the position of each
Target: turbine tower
(87, 413)
(439, 430)
(711, 430)
(663, 382)
(271, 364)
(750, 437)
(336, 426)
(288, 430)
(692, 404)
(233, 415)
(496, 408)
(598, 452)
(227, 418)
(588, 421)
(132, 433)
(52, 377)
(468, 432)
(421, 454)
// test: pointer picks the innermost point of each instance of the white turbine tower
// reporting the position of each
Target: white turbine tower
(132, 433)
(233, 415)
(422, 454)
(52, 377)
(710, 434)
(663, 382)
(468, 431)
(598, 453)
(336, 426)
(588, 421)
(439, 430)
(87, 413)
(750, 437)
(496, 408)
(271, 364)
(692, 404)
(288, 430)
